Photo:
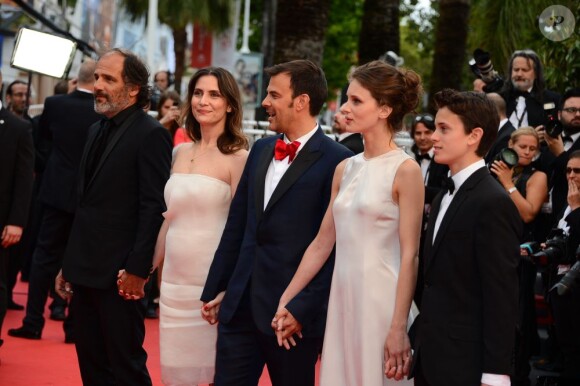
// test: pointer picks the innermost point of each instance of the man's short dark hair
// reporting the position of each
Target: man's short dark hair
(305, 78)
(475, 110)
(135, 73)
(11, 85)
(570, 93)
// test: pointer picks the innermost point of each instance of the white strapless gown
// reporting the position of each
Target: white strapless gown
(197, 210)
(364, 282)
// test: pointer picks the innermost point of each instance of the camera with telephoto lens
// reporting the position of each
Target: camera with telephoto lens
(508, 156)
(482, 67)
(554, 251)
(553, 127)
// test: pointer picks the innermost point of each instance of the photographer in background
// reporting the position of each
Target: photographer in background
(566, 307)
(525, 93)
(563, 145)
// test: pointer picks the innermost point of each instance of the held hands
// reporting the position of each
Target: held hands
(398, 356)
(62, 287)
(131, 287)
(210, 310)
(503, 172)
(286, 326)
(11, 235)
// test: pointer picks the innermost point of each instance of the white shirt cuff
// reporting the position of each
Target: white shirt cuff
(495, 379)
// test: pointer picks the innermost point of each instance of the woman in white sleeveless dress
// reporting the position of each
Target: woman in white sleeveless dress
(204, 177)
(374, 217)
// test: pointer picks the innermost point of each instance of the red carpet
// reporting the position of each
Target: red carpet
(50, 361)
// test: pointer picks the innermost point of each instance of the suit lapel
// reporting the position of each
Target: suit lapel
(306, 157)
(262, 169)
(83, 165)
(461, 195)
(113, 142)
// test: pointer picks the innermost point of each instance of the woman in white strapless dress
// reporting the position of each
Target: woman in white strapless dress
(374, 217)
(204, 177)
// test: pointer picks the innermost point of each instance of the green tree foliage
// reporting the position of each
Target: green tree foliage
(501, 27)
(340, 50)
(418, 38)
(215, 15)
(562, 59)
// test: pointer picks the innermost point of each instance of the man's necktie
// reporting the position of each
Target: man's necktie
(284, 150)
(567, 138)
(421, 157)
(448, 184)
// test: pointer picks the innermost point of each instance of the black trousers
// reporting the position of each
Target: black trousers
(109, 333)
(46, 262)
(242, 351)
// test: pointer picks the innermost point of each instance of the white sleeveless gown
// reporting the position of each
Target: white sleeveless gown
(364, 282)
(197, 210)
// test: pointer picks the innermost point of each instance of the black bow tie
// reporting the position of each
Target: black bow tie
(567, 138)
(421, 157)
(524, 94)
(448, 184)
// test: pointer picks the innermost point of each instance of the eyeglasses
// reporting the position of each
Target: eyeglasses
(575, 170)
(572, 110)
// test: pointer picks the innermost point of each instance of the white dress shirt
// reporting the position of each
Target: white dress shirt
(277, 168)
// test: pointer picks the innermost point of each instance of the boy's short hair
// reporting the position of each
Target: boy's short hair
(475, 110)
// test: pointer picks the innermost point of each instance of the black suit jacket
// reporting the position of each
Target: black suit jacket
(470, 299)
(534, 105)
(120, 208)
(501, 141)
(16, 169)
(65, 121)
(262, 248)
(435, 178)
(354, 142)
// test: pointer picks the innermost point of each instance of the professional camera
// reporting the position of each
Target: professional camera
(508, 156)
(555, 250)
(553, 127)
(482, 67)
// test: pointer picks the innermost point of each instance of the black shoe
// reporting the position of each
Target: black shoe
(151, 313)
(14, 306)
(57, 313)
(68, 339)
(25, 333)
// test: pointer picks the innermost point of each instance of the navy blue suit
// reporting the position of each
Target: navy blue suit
(261, 249)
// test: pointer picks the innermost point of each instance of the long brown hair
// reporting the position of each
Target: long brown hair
(232, 139)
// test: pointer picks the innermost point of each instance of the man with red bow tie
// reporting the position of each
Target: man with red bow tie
(275, 214)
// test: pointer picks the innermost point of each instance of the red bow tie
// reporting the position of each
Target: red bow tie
(284, 150)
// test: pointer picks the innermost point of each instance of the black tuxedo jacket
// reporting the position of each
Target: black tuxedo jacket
(354, 142)
(16, 169)
(120, 208)
(65, 121)
(501, 141)
(470, 298)
(261, 249)
(534, 105)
